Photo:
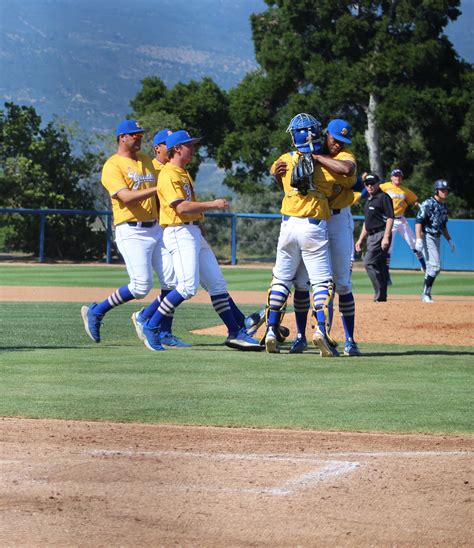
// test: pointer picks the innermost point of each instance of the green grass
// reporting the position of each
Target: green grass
(49, 368)
(258, 279)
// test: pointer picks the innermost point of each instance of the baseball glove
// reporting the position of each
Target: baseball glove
(302, 174)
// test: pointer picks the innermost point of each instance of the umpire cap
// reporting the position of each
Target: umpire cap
(371, 179)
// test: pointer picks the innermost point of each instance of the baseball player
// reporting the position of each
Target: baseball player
(402, 197)
(303, 234)
(339, 166)
(130, 178)
(193, 260)
(167, 338)
(430, 223)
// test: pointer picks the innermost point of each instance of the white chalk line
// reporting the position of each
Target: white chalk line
(310, 458)
(325, 471)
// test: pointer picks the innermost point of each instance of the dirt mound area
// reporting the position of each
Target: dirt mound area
(400, 321)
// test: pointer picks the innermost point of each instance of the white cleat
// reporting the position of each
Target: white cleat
(426, 298)
(271, 342)
(326, 349)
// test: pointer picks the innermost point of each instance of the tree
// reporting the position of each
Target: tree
(385, 65)
(39, 170)
(200, 107)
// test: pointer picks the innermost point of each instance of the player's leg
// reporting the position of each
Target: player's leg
(215, 284)
(314, 246)
(433, 265)
(301, 306)
(340, 231)
(184, 250)
(409, 238)
(288, 259)
(136, 245)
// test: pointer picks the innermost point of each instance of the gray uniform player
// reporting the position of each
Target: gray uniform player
(431, 222)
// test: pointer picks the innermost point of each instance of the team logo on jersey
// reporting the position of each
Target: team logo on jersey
(138, 179)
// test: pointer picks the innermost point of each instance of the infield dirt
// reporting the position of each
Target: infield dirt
(73, 483)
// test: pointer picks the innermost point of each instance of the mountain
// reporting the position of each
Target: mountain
(83, 60)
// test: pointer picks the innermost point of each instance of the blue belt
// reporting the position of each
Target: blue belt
(335, 211)
(310, 220)
(142, 224)
(191, 223)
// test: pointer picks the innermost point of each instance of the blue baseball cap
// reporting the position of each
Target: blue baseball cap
(396, 171)
(340, 130)
(179, 138)
(129, 126)
(160, 137)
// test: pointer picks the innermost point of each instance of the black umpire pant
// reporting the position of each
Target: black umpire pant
(375, 262)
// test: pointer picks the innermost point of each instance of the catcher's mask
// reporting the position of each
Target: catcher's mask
(305, 133)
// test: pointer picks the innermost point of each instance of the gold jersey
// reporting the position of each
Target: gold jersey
(342, 194)
(315, 203)
(120, 173)
(174, 185)
(401, 196)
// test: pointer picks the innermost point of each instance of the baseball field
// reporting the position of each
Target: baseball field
(112, 444)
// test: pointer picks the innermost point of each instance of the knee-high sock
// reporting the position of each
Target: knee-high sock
(277, 297)
(222, 307)
(122, 295)
(301, 304)
(238, 314)
(347, 311)
(166, 308)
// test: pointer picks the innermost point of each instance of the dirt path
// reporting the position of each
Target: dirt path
(89, 484)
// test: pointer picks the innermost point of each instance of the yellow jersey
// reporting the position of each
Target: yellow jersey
(401, 196)
(119, 173)
(342, 194)
(174, 185)
(314, 204)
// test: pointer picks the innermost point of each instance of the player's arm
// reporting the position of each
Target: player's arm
(186, 207)
(127, 196)
(278, 170)
(339, 167)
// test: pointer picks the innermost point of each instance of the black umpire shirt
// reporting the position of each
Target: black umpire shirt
(378, 208)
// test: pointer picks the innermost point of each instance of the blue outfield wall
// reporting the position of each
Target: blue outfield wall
(462, 234)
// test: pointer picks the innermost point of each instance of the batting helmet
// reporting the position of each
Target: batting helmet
(441, 184)
(305, 132)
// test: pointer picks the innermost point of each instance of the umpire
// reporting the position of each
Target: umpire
(378, 223)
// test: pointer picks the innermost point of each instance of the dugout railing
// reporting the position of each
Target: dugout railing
(461, 230)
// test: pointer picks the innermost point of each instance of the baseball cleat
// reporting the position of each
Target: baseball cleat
(298, 346)
(254, 321)
(425, 298)
(271, 342)
(351, 349)
(139, 322)
(92, 322)
(326, 349)
(243, 341)
(151, 338)
(168, 339)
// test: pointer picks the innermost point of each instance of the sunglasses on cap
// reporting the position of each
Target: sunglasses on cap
(134, 135)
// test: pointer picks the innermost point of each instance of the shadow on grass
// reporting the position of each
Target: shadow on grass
(420, 353)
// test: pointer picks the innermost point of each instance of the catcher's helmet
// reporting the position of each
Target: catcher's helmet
(441, 184)
(306, 133)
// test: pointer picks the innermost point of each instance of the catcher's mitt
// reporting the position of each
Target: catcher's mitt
(302, 174)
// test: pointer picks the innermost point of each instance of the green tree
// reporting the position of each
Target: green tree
(384, 65)
(200, 107)
(39, 170)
